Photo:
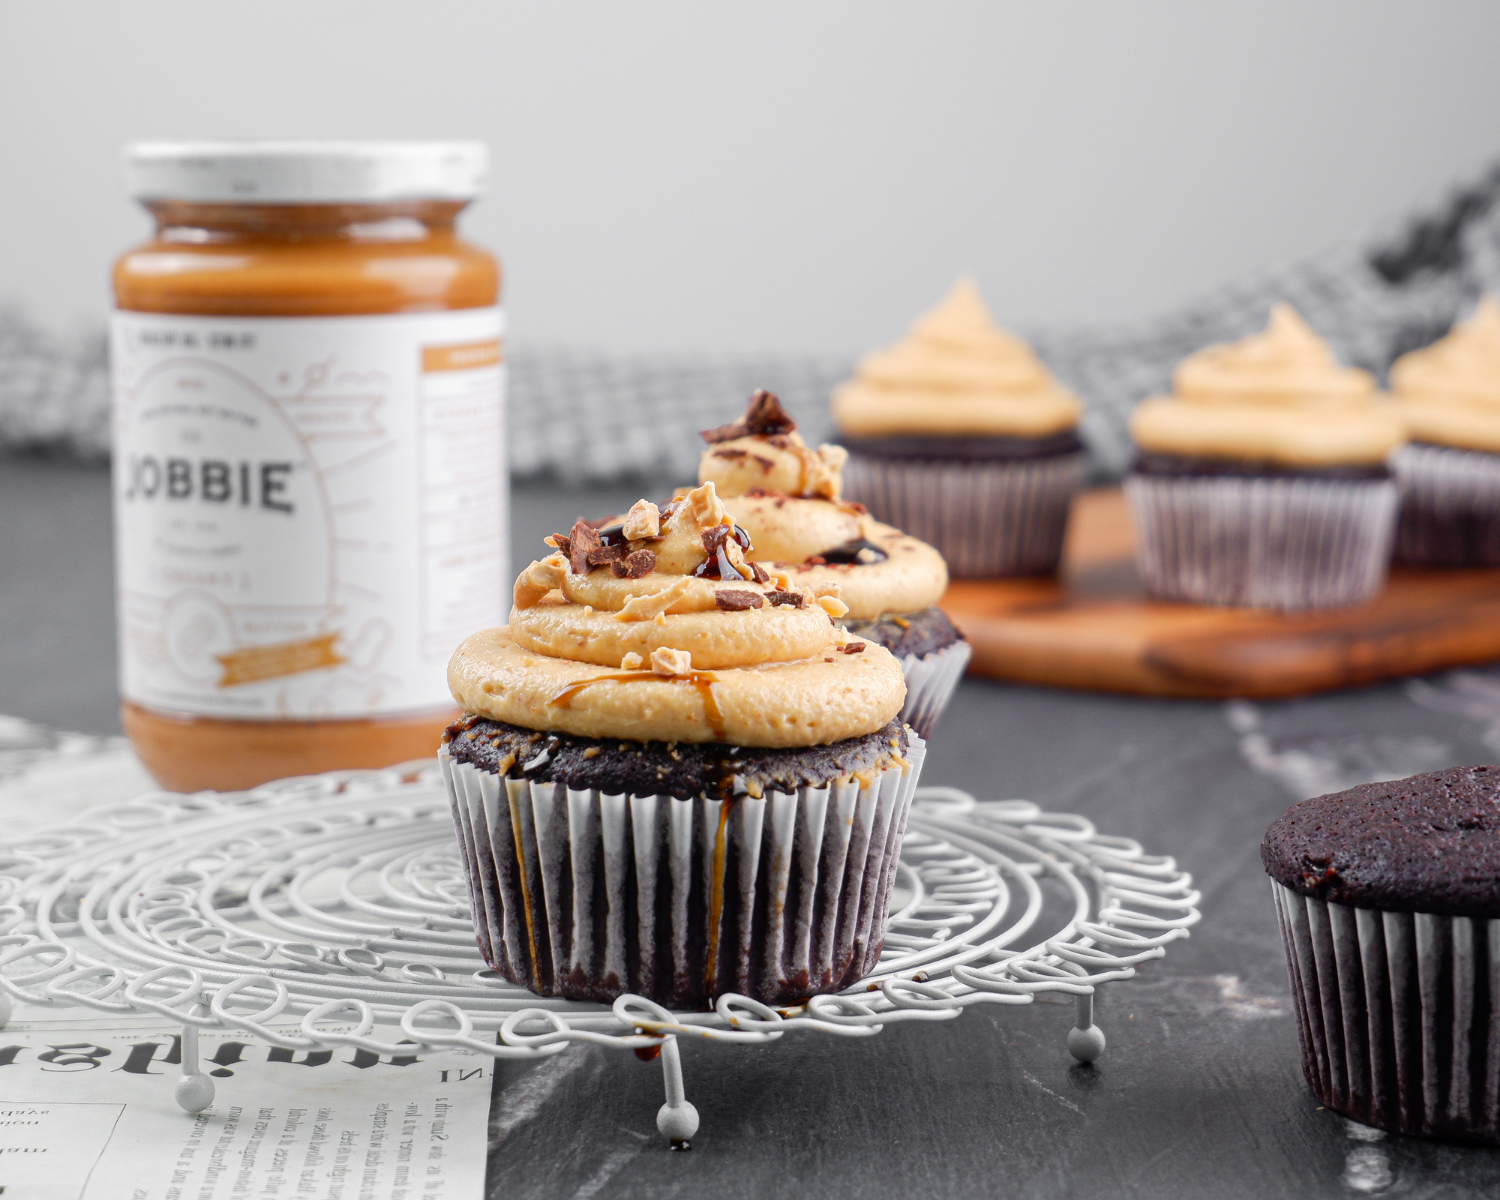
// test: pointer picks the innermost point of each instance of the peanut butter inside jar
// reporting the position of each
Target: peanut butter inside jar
(309, 475)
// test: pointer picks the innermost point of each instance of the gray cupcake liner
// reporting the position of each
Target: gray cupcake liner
(988, 520)
(1398, 1015)
(586, 896)
(1450, 507)
(1262, 542)
(930, 683)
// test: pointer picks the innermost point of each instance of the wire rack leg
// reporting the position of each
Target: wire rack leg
(676, 1119)
(6, 1010)
(195, 1090)
(1085, 1039)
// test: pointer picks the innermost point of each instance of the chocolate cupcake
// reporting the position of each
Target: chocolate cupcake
(1449, 397)
(787, 497)
(958, 435)
(1263, 479)
(676, 776)
(1389, 901)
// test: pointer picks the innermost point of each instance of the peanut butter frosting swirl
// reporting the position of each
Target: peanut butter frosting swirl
(1449, 392)
(954, 373)
(663, 628)
(811, 536)
(1277, 396)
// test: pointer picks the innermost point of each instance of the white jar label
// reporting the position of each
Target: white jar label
(310, 512)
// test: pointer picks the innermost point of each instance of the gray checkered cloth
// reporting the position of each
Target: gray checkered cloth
(593, 417)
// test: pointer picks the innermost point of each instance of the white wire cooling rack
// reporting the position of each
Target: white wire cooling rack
(340, 899)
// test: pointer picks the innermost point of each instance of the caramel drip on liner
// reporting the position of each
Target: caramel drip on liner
(716, 899)
(701, 680)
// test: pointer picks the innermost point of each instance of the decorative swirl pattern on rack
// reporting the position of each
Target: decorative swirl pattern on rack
(339, 899)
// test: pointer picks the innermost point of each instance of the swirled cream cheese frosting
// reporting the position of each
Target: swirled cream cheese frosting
(1278, 396)
(1449, 392)
(954, 373)
(803, 528)
(662, 629)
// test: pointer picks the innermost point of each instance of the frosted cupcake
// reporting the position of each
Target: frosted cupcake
(676, 776)
(959, 435)
(1263, 479)
(787, 496)
(1449, 397)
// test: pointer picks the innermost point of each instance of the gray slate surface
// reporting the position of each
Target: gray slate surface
(1200, 1093)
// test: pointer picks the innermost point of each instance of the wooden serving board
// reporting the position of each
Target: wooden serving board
(1092, 627)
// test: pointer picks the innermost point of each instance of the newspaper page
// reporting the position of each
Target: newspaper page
(87, 1113)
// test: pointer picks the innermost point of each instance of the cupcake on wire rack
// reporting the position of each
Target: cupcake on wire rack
(1449, 397)
(1263, 479)
(1390, 916)
(787, 497)
(958, 435)
(676, 776)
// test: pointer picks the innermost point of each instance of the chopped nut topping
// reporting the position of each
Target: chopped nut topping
(655, 604)
(666, 661)
(736, 601)
(833, 606)
(631, 662)
(635, 564)
(784, 596)
(763, 417)
(591, 752)
(642, 521)
(826, 589)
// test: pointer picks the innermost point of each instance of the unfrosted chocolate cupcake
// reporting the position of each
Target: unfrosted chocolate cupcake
(677, 776)
(1389, 901)
(1449, 397)
(1263, 480)
(788, 497)
(959, 435)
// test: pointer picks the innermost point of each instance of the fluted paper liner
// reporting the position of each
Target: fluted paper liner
(930, 682)
(1450, 507)
(587, 896)
(1399, 1015)
(988, 520)
(1262, 542)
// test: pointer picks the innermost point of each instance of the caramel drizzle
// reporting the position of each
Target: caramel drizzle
(703, 681)
(716, 898)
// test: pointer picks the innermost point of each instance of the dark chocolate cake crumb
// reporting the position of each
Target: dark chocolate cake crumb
(919, 633)
(1427, 844)
(680, 769)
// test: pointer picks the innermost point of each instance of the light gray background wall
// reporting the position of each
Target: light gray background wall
(782, 175)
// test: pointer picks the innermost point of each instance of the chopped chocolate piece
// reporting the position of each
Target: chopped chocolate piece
(780, 443)
(582, 542)
(607, 554)
(781, 596)
(731, 600)
(859, 550)
(760, 573)
(714, 539)
(763, 417)
(731, 453)
(765, 463)
(718, 565)
(853, 647)
(564, 543)
(635, 564)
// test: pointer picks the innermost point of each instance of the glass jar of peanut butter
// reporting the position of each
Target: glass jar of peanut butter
(309, 473)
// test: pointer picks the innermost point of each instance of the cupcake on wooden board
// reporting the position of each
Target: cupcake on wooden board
(788, 498)
(1449, 397)
(960, 436)
(1263, 479)
(676, 776)
(1389, 901)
